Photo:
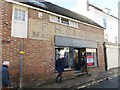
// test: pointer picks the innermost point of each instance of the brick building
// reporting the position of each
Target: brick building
(41, 29)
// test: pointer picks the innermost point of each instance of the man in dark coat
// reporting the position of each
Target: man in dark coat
(5, 75)
(59, 67)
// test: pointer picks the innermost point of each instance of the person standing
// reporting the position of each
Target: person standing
(5, 75)
(59, 67)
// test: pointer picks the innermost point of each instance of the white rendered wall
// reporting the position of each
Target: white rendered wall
(111, 22)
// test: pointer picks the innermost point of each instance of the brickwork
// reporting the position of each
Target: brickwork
(68, 74)
(1, 4)
(38, 60)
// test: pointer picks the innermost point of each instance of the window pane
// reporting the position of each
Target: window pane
(66, 59)
(19, 15)
(16, 14)
(23, 15)
(65, 21)
(54, 19)
(73, 23)
(71, 59)
(104, 23)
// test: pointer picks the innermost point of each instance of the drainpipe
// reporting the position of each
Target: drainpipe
(105, 55)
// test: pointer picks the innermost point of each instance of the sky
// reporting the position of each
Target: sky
(71, 4)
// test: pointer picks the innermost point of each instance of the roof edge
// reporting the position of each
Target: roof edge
(49, 12)
(102, 11)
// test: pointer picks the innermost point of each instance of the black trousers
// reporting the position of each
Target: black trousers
(59, 77)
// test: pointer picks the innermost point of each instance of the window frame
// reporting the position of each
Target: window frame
(63, 21)
(15, 14)
(67, 68)
(19, 15)
(104, 23)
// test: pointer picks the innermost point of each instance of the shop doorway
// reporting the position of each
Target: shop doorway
(80, 59)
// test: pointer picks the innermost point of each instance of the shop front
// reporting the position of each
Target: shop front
(78, 54)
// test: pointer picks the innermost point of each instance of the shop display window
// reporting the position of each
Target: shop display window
(91, 57)
(68, 56)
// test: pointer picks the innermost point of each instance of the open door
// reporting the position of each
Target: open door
(80, 58)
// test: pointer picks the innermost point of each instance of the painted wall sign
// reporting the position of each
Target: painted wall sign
(43, 30)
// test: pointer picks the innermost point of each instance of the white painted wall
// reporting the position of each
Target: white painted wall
(119, 22)
(19, 28)
(112, 24)
(81, 7)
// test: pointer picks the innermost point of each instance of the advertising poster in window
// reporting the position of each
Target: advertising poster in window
(90, 61)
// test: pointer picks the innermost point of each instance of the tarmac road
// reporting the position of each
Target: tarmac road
(113, 82)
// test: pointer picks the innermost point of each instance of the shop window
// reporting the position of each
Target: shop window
(91, 56)
(68, 56)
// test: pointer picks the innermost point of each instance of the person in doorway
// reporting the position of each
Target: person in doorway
(5, 75)
(59, 67)
(84, 62)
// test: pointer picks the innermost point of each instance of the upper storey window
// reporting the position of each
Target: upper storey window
(54, 19)
(19, 21)
(104, 23)
(19, 14)
(64, 21)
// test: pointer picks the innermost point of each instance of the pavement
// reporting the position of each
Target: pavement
(83, 81)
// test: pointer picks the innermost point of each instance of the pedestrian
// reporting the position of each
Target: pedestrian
(59, 67)
(5, 75)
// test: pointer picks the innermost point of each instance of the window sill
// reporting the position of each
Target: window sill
(92, 66)
(65, 24)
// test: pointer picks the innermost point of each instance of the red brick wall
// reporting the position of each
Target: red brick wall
(1, 32)
(38, 61)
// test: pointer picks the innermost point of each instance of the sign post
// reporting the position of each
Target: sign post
(21, 63)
